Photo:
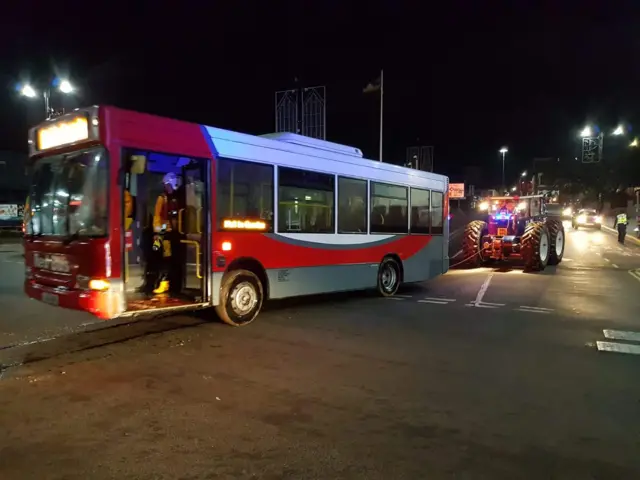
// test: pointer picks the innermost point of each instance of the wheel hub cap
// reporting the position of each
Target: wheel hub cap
(388, 278)
(544, 246)
(244, 298)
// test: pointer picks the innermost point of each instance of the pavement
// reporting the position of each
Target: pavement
(482, 374)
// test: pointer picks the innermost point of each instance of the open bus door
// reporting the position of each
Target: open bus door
(177, 254)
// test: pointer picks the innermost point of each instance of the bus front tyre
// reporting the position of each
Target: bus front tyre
(241, 297)
(388, 277)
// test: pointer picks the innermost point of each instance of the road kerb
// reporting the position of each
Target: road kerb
(628, 237)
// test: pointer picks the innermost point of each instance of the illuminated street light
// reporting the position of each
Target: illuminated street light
(503, 151)
(64, 86)
(513, 189)
(524, 174)
(587, 132)
(619, 130)
(634, 143)
(28, 91)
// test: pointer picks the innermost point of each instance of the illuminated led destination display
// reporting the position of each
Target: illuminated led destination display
(232, 224)
(63, 133)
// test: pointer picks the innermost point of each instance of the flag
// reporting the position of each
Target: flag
(373, 86)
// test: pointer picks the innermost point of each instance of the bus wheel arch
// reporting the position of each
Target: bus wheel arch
(390, 275)
(242, 292)
(253, 265)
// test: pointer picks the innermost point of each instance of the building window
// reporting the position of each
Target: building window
(437, 213)
(305, 201)
(352, 205)
(244, 191)
(420, 213)
(388, 208)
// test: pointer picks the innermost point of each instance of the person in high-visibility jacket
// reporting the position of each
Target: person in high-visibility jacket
(167, 236)
(621, 225)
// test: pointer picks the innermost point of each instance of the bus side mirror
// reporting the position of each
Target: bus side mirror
(138, 164)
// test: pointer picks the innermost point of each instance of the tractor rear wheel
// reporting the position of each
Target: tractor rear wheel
(472, 244)
(535, 247)
(556, 241)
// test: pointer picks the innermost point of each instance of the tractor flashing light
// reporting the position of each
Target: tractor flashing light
(502, 216)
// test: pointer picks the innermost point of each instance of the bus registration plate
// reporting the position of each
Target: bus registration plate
(502, 232)
(50, 298)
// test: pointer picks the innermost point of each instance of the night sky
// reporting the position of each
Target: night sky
(466, 79)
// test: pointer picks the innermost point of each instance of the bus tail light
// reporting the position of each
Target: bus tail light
(226, 246)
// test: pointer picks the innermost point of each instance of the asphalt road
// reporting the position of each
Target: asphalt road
(488, 373)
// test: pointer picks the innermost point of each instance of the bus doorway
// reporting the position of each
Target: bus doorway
(165, 199)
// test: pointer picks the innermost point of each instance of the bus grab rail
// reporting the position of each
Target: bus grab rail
(197, 245)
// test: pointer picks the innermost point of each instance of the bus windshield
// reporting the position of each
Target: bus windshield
(68, 195)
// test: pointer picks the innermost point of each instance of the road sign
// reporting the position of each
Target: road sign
(456, 190)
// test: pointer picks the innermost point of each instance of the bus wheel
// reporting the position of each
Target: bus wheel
(241, 297)
(388, 277)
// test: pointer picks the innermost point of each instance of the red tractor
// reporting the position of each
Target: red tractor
(516, 228)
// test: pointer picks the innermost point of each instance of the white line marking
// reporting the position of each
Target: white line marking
(614, 265)
(394, 298)
(440, 299)
(530, 310)
(457, 253)
(433, 301)
(635, 274)
(621, 335)
(483, 289)
(483, 305)
(538, 308)
(598, 253)
(607, 260)
(404, 296)
(618, 347)
(493, 304)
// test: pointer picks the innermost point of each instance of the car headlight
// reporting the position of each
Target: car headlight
(582, 219)
(484, 206)
(598, 219)
(567, 211)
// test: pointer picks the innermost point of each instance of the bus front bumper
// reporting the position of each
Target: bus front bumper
(104, 305)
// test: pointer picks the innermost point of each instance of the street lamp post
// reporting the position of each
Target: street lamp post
(64, 86)
(503, 151)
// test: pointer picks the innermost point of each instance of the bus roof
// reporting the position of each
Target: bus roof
(296, 151)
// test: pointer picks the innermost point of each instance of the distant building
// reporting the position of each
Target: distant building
(14, 183)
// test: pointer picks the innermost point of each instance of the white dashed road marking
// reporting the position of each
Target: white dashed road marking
(524, 308)
(622, 335)
(437, 301)
(618, 347)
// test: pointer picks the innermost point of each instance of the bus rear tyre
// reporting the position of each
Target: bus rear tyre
(241, 297)
(388, 277)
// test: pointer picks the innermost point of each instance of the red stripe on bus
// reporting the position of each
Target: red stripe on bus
(273, 253)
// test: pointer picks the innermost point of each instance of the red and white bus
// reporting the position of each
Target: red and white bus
(262, 217)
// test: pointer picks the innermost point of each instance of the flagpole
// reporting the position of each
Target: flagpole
(381, 106)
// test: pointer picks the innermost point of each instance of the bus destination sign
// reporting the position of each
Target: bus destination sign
(63, 132)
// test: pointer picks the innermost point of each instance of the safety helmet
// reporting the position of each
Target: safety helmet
(171, 179)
